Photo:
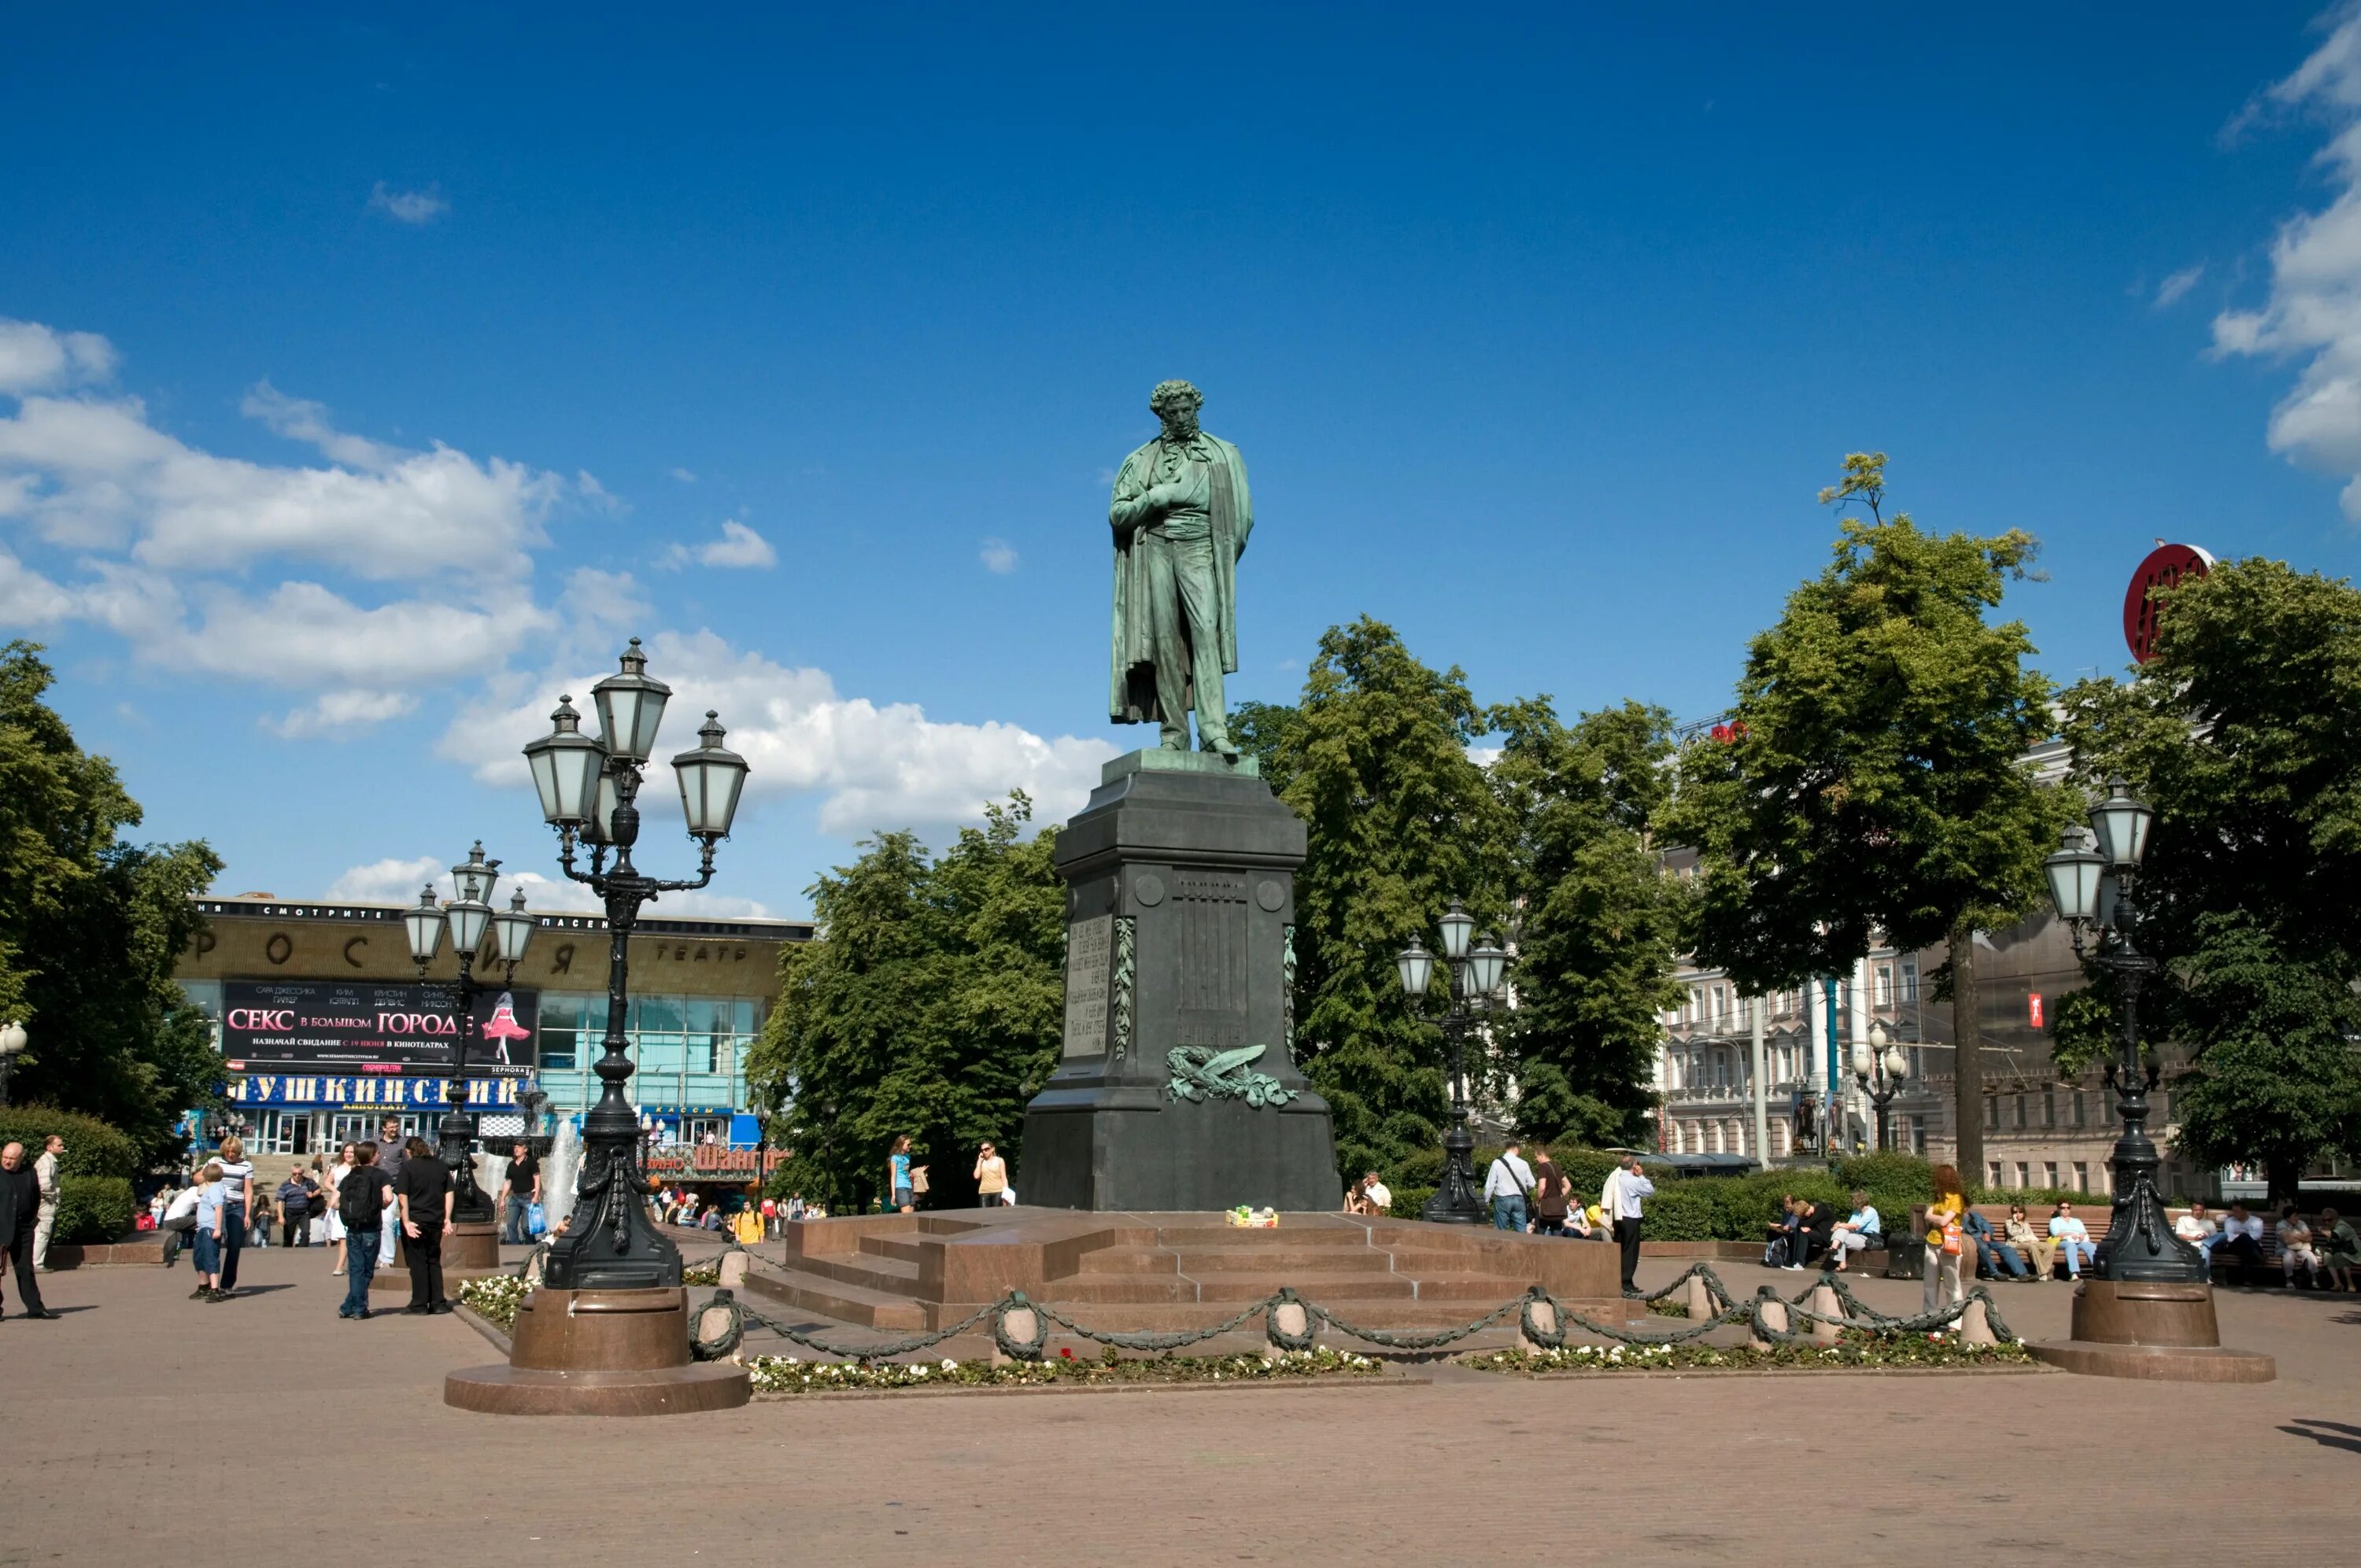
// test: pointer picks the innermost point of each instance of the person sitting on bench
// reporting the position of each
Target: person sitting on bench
(1995, 1255)
(1786, 1233)
(2242, 1238)
(1857, 1232)
(2019, 1236)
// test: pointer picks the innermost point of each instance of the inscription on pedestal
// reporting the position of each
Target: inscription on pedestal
(1089, 960)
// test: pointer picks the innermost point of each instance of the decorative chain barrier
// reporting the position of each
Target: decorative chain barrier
(1027, 1341)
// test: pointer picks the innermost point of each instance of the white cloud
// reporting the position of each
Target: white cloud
(874, 766)
(2168, 292)
(738, 546)
(341, 712)
(998, 556)
(397, 881)
(96, 474)
(684, 476)
(2313, 311)
(593, 493)
(28, 598)
(34, 357)
(413, 207)
(389, 880)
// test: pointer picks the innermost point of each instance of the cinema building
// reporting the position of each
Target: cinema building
(325, 1026)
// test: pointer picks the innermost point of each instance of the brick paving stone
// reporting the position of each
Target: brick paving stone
(147, 1429)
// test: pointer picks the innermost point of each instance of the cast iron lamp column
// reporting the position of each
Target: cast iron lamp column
(589, 790)
(1880, 1069)
(2093, 891)
(1476, 978)
(466, 917)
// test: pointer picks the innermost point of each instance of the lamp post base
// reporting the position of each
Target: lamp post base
(600, 1353)
(2151, 1329)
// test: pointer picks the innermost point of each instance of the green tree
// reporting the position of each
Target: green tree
(1876, 782)
(2276, 1081)
(90, 927)
(1600, 929)
(929, 1006)
(1400, 822)
(2238, 731)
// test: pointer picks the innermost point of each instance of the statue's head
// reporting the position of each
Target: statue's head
(1176, 403)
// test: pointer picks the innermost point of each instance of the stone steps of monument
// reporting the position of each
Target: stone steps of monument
(891, 1247)
(773, 1287)
(1185, 1236)
(1281, 1261)
(1232, 1260)
(1123, 1288)
(867, 1270)
(1359, 1287)
(1130, 1260)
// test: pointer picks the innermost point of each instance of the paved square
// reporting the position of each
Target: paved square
(144, 1428)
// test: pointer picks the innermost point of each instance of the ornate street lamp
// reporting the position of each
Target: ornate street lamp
(1880, 1068)
(588, 792)
(1477, 977)
(12, 1045)
(466, 918)
(2093, 893)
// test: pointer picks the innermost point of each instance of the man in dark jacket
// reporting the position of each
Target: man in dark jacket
(20, 1212)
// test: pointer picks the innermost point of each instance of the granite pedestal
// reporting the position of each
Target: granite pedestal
(600, 1353)
(1178, 1088)
(2152, 1329)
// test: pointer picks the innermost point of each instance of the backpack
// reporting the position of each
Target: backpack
(357, 1203)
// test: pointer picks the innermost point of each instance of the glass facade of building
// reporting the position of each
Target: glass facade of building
(689, 1052)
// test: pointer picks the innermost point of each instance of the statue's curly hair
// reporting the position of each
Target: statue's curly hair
(1170, 394)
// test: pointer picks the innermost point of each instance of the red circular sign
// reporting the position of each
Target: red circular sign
(2165, 566)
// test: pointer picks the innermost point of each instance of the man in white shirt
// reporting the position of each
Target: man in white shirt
(2242, 1238)
(2195, 1227)
(1619, 1200)
(1376, 1195)
(1506, 1185)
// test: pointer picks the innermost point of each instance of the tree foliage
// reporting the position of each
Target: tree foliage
(90, 927)
(1875, 784)
(1599, 932)
(2238, 731)
(930, 1005)
(1401, 821)
(2276, 1081)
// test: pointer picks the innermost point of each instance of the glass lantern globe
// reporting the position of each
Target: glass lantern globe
(1458, 925)
(424, 925)
(631, 706)
(566, 765)
(513, 929)
(2121, 823)
(711, 778)
(474, 878)
(1415, 965)
(468, 918)
(2073, 874)
(1485, 966)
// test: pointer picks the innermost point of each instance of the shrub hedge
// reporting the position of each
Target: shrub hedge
(93, 1208)
(92, 1147)
(1738, 1207)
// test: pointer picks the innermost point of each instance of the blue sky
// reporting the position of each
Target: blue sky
(371, 380)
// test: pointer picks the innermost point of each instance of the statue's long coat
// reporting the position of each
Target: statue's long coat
(1131, 693)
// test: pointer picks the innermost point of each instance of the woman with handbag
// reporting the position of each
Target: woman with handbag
(1944, 1240)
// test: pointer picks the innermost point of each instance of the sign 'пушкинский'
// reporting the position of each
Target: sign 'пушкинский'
(318, 1026)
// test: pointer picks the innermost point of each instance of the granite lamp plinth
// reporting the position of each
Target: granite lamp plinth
(1178, 1088)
